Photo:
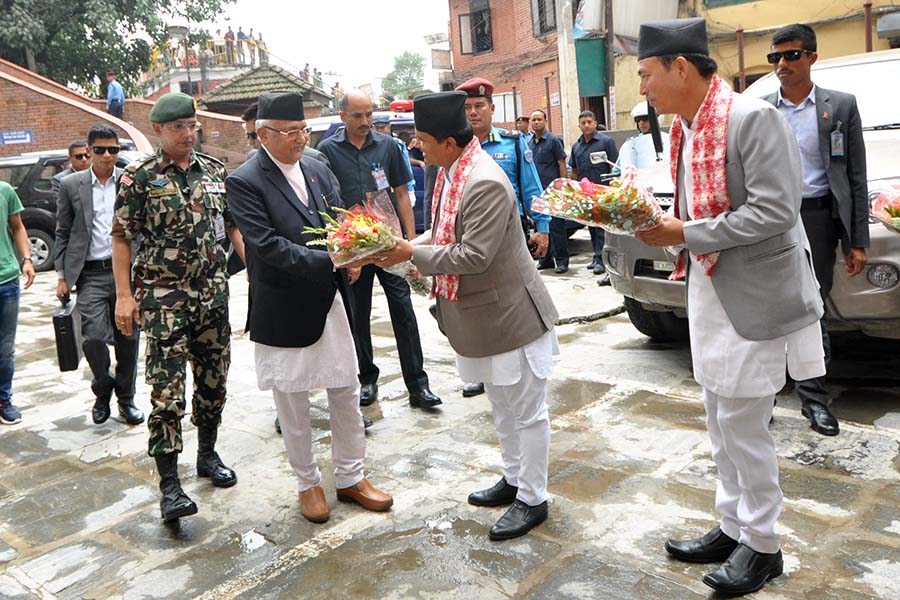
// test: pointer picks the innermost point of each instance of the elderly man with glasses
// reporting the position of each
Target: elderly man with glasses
(178, 291)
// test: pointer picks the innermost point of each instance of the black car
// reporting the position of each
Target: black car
(30, 174)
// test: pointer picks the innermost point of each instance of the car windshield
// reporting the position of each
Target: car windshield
(866, 81)
(14, 174)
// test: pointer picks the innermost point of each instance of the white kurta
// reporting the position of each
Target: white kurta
(505, 368)
(725, 362)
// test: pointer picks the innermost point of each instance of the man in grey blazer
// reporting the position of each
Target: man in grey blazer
(79, 160)
(835, 203)
(752, 299)
(491, 303)
(84, 263)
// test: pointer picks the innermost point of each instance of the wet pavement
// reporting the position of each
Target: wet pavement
(630, 467)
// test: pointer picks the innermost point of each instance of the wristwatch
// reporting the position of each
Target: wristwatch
(28, 258)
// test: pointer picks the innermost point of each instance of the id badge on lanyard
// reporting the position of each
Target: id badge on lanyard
(837, 140)
(381, 182)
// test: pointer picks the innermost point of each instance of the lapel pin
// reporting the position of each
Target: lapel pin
(825, 115)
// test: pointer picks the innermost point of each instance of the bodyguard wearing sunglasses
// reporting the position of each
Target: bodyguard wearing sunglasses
(828, 129)
(79, 160)
(178, 292)
(84, 263)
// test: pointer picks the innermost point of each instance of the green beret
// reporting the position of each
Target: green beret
(173, 106)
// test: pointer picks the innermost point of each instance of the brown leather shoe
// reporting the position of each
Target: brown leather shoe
(366, 495)
(313, 505)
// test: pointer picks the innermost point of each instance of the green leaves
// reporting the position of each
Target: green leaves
(407, 77)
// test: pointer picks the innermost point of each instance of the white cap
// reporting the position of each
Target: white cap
(639, 110)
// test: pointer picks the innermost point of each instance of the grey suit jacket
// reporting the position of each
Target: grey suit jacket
(503, 303)
(764, 276)
(847, 173)
(56, 180)
(74, 216)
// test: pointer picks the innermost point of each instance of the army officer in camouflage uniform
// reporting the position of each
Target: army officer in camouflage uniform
(175, 201)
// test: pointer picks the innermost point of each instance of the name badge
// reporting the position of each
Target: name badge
(219, 224)
(381, 182)
(837, 141)
(598, 157)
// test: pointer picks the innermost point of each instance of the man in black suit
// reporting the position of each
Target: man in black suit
(301, 312)
(84, 215)
(835, 204)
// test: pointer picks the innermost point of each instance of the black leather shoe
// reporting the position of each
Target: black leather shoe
(367, 423)
(518, 520)
(820, 418)
(174, 503)
(591, 266)
(745, 571)
(423, 399)
(545, 264)
(599, 269)
(208, 462)
(100, 411)
(277, 426)
(368, 393)
(604, 281)
(714, 546)
(562, 268)
(129, 413)
(472, 389)
(499, 494)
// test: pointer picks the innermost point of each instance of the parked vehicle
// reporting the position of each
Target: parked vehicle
(30, 175)
(869, 302)
(323, 128)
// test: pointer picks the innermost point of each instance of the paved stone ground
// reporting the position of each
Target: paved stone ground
(630, 467)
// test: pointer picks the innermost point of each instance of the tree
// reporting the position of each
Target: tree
(407, 77)
(76, 41)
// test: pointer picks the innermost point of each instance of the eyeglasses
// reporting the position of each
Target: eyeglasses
(81, 156)
(290, 133)
(104, 149)
(789, 55)
(180, 126)
(251, 135)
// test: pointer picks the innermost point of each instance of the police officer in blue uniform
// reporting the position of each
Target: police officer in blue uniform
(511, 152)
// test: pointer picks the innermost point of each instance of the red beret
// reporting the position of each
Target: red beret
(477, 87)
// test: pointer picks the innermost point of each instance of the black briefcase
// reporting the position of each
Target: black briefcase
(67, 329)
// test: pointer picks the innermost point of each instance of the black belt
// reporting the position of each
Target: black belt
(820, 202)
(98, 265)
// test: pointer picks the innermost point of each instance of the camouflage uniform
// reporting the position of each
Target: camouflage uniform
(180, 284)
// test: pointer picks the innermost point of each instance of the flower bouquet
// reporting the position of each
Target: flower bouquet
(363, 231)
(623, 206)
(887, 208)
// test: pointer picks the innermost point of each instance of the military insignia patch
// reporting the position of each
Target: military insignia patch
(125, 180)
(529, 156)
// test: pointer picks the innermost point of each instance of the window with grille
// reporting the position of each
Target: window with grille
(543, 17)
(191, 88)
(475, 32)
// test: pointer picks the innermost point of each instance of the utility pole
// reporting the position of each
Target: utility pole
(569, 98)
(610, 67)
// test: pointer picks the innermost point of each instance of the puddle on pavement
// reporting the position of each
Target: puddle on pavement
(22, 447)
(573, 394)
(687, 415)
(580, 481)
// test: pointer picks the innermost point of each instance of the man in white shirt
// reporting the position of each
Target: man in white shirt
(84, 216)
(300, 317)
(753, 302)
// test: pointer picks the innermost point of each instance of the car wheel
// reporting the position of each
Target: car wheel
(659, 326)
(41, 249)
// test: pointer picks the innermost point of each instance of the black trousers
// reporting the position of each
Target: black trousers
(598, 238)
(96, 304)
(559, 242)
(403, 320)
(824, 231)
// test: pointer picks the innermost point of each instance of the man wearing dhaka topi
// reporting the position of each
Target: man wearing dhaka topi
(753, 303)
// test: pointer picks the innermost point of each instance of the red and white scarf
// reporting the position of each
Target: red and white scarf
(710, 194)
(445, 230)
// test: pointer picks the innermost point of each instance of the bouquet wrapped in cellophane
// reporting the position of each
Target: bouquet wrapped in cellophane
(363, 231)
(887, 208)
(623, 206)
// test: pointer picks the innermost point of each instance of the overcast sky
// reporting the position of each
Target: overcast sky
(356, 39)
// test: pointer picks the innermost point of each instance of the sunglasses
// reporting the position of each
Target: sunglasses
(789, 55)
(81, 156)
(103, 149)
(251, 135)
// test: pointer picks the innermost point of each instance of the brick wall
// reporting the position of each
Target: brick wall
(518, 59)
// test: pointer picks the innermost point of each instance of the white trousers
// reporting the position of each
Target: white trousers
(348, 438)
(523, 427)
(748, 496)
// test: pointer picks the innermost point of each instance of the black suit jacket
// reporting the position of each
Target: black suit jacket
(293, 285)
(847, 173)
